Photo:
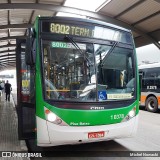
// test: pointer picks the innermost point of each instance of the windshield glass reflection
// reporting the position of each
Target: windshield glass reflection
(87, 72)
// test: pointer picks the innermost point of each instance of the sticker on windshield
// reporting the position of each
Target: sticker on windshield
(119, 96)
(102, 95)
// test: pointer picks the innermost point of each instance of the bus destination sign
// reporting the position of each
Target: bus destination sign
(90, 31)
(69, 29)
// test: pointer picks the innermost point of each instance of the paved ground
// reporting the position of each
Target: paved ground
(8, 128)
(148, 134)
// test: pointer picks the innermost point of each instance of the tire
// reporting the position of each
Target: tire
(152, 104)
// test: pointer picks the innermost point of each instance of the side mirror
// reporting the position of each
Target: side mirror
(30, 47)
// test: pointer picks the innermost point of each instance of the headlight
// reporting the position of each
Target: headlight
(53, 118)
(130, 115)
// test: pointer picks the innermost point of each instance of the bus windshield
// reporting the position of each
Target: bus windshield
(87, 72)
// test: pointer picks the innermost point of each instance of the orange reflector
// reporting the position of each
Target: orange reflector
(47, 111)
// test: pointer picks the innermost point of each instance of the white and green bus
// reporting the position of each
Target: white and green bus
(77, 82)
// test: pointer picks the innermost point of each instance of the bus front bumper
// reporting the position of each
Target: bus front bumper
(49, 134)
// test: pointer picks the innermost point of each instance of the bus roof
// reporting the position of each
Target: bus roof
(153, 65)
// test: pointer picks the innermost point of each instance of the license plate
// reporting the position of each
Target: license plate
(96, 134)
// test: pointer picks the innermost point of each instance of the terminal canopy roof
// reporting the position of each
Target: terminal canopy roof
(140, 16)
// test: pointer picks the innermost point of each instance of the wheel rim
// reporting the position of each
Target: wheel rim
(151, 105)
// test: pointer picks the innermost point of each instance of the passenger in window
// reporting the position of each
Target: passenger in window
(121, 79)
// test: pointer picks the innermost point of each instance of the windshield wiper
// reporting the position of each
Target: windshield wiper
(73, 42)
(78, 48)
(81, 52)
(109, 52)
(100, 66)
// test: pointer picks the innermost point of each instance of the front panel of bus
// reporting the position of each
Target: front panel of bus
(86, 82)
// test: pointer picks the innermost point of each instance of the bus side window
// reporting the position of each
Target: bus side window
(140, 78)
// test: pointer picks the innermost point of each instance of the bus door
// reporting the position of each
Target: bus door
(25, 94)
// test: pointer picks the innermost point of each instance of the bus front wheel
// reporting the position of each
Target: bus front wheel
(152, 104)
